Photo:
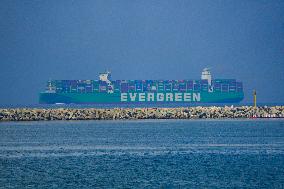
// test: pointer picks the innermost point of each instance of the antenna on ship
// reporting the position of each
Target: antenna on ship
(254, 98)
(107, 71)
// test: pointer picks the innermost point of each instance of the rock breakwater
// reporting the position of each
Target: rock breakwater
(32, 114)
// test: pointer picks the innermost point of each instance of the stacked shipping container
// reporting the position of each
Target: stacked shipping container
(124, 86)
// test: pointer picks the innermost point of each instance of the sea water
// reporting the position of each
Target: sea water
(142, 154)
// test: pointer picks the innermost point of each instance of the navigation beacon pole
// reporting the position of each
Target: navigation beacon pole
(254, 98)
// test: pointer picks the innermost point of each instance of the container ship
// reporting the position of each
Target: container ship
(105, 90)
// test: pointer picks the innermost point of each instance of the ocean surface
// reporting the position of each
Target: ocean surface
(142, 154)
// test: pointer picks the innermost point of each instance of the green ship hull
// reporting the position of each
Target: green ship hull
(136, 97)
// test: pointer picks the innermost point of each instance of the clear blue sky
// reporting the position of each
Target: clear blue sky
(138, 39)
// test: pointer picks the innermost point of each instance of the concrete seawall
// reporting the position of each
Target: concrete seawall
(32, 114)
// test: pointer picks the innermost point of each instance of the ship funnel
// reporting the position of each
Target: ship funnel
(206, 75)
